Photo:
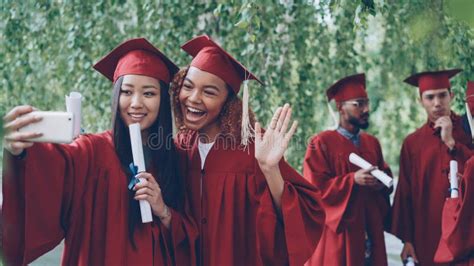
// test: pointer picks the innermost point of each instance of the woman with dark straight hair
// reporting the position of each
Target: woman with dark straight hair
(85, 192)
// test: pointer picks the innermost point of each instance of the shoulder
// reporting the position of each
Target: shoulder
(99, 141)
(99, 138)
(415, 136)
(370, 138)
(327, 135)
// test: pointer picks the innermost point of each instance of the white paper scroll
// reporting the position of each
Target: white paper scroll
(410, 261)
(381, 176)
(453, 178)
(469, 120)
(139, 161)
(73, 105)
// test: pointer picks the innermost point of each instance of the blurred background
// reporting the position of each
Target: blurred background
(298, 48)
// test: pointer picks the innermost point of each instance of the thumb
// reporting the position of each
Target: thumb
(367, 171)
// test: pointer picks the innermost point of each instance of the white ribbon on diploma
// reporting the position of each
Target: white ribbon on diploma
(139, 162)
(453, 178)
(381, 176)
(74, 106)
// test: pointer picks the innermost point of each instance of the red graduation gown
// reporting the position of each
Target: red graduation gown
(423, 186)
(457, 238)
(233, 206)
(79, 192)
(351, 210)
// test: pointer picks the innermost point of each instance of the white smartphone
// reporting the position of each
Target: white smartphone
(57, 127)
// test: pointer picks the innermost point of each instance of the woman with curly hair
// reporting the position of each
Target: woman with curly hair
(79, 191)
(251, 206)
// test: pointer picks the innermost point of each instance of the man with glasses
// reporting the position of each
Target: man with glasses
(356, 203)
(423, 184)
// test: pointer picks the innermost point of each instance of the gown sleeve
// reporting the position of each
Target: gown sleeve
(37, 194)
(292, 237)
(402, 212)
(336, 191)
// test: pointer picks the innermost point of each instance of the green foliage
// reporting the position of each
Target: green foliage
(298, 48)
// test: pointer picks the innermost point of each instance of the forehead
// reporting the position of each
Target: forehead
(435, 92)
(140, 80)
(204, 78)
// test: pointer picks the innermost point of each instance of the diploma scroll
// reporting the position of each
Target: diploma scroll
(73, 105)
(410, 261)
(469, 120)
(453, 178)
(139, 161)
(381, 176)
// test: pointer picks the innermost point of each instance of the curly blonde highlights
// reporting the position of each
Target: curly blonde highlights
(230, 117)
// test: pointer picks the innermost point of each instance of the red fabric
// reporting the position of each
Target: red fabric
(139, 57)
(351, 87)
(79, 192)
(457, 240)
(423, 186)
(432, 80)
(470, 96)
(350, 209)
(470, 88)
(210, 57)
(238, 221)
(142, 63)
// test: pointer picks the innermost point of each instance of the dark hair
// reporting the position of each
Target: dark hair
(230, 117)
(164, 158)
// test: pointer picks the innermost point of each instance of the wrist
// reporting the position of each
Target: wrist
(165, 213)
(269, 169)
(450, 143)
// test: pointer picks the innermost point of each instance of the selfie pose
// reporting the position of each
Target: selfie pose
(79, 191)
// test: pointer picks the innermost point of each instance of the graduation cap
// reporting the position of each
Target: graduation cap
(210, 57)
(432, 80)
(350, 87)
(138, 57)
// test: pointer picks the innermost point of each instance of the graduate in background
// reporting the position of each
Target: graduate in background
(424, 166)
(251, 206)
(79, 192)
(356, 203)
(456, 244)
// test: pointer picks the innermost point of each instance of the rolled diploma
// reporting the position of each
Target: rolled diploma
(73, 105)
(410, 261)
(139, 161)
(469, 120)
(381, 176)
(453, 179)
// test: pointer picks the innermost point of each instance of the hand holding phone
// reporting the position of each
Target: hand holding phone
(24, 126)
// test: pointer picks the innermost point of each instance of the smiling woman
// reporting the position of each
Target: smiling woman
(78, 192)
(139, 100)
(253, 208)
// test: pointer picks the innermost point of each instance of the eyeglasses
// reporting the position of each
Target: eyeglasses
(360, 103)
